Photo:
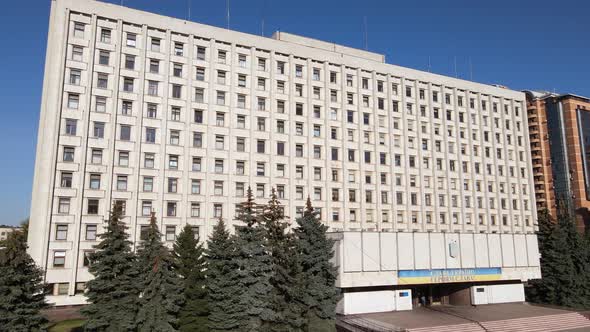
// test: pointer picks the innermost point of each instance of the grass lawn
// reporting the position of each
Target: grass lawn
(66, 325)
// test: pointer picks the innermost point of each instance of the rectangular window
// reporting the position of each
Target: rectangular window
(150, 135)
(91, 232)
(170, 233)
(100, 105)
(131, 39)
(61, 232)
(78, 53)
(73, 100)
(79, 29)
(105, 36)
(125, 133)
(71, 127)
(92, 207)
(59, 259)
(94, 181)
(146, 208)
(121, 182)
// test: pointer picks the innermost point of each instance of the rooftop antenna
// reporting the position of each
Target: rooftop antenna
(189, 9)
(366, 33)
(470, 70)
(455, 58)
(429, 66)
(263, 13)
(227, 4)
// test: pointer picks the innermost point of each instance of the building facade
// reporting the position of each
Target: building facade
(559, 129)
(5, 230)
(179, 118)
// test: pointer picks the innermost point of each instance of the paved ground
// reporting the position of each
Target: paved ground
(450, 315)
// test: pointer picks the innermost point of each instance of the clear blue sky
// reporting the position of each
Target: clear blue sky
(521, 44)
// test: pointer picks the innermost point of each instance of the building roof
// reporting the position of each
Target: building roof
(540, 95)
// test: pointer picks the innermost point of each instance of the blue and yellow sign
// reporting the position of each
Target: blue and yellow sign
(408, 277)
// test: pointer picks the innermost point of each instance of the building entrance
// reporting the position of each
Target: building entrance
(427, 295)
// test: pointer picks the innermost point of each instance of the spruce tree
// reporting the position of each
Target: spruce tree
(161, 288)
(316, 251)
(21, 286)
(113, 293)
(190, 264)
(577, 251)
(286, 295)
(254, 265)
(223, 290)
(564, 263)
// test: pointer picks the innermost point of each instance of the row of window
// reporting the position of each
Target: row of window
(200, 53)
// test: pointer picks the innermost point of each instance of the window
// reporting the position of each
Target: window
(155, 44)
(121, 182)
(98, 130)
(195, 210)
(78, 53)
(197, 139)
(173, 161)
(131, 39)
(149, 160)
(176, 91)
(105, 36)
(100, 104)
(170, 233)
(103, 58)
(94, 181)
(152, 111)
(201, 53)
(260, 146)
(172, 185)
(79, 29)
(71, 125)
(61, 232)
(125, 133)
(128, 84)
(91, 232)
(73, 100)
(148, 184)
(221, 77)
(59, 260)
(171, 209)
(154, 66)
(152, 88)
(178, 48)
(298, 71)
(217, 210)
(175, 114)
(129, 61)
(150, 135)
(195, 186)
(218, 165)
(261, 64)
(146, 208)
(218, 188)
(92, 207)
(75, 75)
(242, 60)
(221, 56)
(68, 153)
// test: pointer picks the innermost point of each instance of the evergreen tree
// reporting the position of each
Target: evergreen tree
(161, 288)
(580, 291)
(254, 266)
(286, 296)
(190, 264)
(564, 263)
(223, 290)
(21, 286)
(113, 293)
(316, 251)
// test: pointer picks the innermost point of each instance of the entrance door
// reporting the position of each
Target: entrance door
(435, 294)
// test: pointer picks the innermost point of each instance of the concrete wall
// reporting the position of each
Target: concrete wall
(372, 258)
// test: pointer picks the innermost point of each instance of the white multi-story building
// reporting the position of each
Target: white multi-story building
(179, 118)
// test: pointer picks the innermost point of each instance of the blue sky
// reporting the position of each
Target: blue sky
(521, 44)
